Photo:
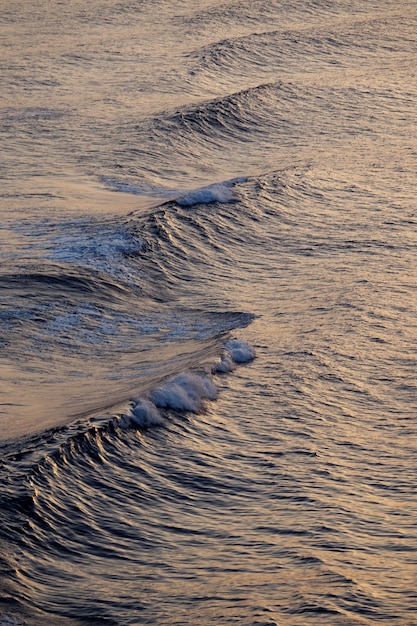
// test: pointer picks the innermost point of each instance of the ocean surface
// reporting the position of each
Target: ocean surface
(208, 312)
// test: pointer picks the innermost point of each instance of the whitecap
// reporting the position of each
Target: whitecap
(145, 414)
(185, 392)
(224, 365)
(240, 351)
(217, 192)
(222, 192)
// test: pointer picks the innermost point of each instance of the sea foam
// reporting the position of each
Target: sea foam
(217, 192)
(145, 414)
(185, 392)
(239, 351)
(224, 365)
(6, 620)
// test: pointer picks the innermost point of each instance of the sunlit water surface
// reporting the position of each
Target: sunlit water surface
(174, 176)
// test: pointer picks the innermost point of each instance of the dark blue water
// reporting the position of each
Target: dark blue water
(208, 313)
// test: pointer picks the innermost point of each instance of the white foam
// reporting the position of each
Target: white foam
(145, 414)
(239, 351)
(217, 192)
(80, 244)
(224, 365)
(6, 620)
(185, 392)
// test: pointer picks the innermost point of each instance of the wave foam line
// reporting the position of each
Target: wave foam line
(222, 192)
(239, 351)
(217, 192)
(187, 391)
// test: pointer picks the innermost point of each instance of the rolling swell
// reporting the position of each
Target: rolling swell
(241, 130)
(286, 52)
(271, 54)
(225, 118)
(61, 483)
(59, 280)
(110, 360)
(232, 15)
(274, 138)
(107, 307)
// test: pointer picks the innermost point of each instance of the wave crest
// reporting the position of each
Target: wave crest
(185, 392)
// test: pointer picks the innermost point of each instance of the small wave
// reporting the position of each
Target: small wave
(240, 351)
(188, 390)
(60, 280)
(145, 414)
(217, 192)
(261, 54)
(233, 114)
(185, 392)
(222, 192)
(235, 351)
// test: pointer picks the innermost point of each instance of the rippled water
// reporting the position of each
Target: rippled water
(208, 313)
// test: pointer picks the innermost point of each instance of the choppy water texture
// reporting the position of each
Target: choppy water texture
(186, 186)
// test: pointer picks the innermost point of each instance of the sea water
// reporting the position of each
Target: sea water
(208, 312)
